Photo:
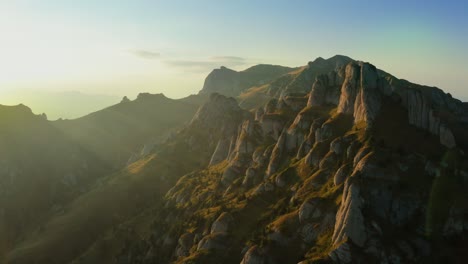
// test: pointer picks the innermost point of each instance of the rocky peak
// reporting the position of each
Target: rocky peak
(306, 78)
(223, 80)
(218, 110)
(125, 100)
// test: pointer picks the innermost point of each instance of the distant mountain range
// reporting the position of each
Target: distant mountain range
(57, 105)
(333, 162)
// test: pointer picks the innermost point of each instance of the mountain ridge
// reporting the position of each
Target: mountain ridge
(337, 162)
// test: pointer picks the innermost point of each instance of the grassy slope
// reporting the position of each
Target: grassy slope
(35, 157)
(116, 132)
(113, 200)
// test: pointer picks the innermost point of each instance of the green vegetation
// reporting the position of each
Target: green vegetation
(446, 193)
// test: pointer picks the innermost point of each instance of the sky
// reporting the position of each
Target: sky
(116, 48)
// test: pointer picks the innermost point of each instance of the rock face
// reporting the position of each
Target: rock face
(221, 152)
(278, 151)
(326, 89)
(219, 111)
(349, 219)
(423, 109)
(305, 80)
(446, 137)
(360, 96)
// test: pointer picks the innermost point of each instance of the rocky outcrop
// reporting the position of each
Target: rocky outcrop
(303, 82)
(360, 96)
(125, 100)
(215, 241)
(446, 137)
(278, 152)
(309, 141)
(296, 102)
(341, 174)
(272, 125)
(240, 156)
(221, 152)
(248, 138)
(223, 224)
(215, 126)
(224, 81)
(349, 219)
(254, 255)
(219, 112)
(310, 210)
(423, 103)
(327, 89)
(424, 107)
(184, 245)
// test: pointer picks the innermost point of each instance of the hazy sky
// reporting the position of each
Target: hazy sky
(126, 47)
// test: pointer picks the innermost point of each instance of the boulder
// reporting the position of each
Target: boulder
(213, 241)
(309, 210)
(341, 174)
(184, 244)
(254, 255)
(223, 224)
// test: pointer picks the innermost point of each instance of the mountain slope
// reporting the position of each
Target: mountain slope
(129, 128)
(121, 195)
(338, 162)
(41, 169)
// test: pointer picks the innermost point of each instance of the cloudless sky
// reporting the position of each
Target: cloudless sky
(125, 47)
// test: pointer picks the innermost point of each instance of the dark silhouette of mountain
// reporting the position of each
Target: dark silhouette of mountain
(68, 104)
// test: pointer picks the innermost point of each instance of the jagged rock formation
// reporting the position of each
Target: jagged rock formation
(359, 94)
(343, 163)
(343, 183)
